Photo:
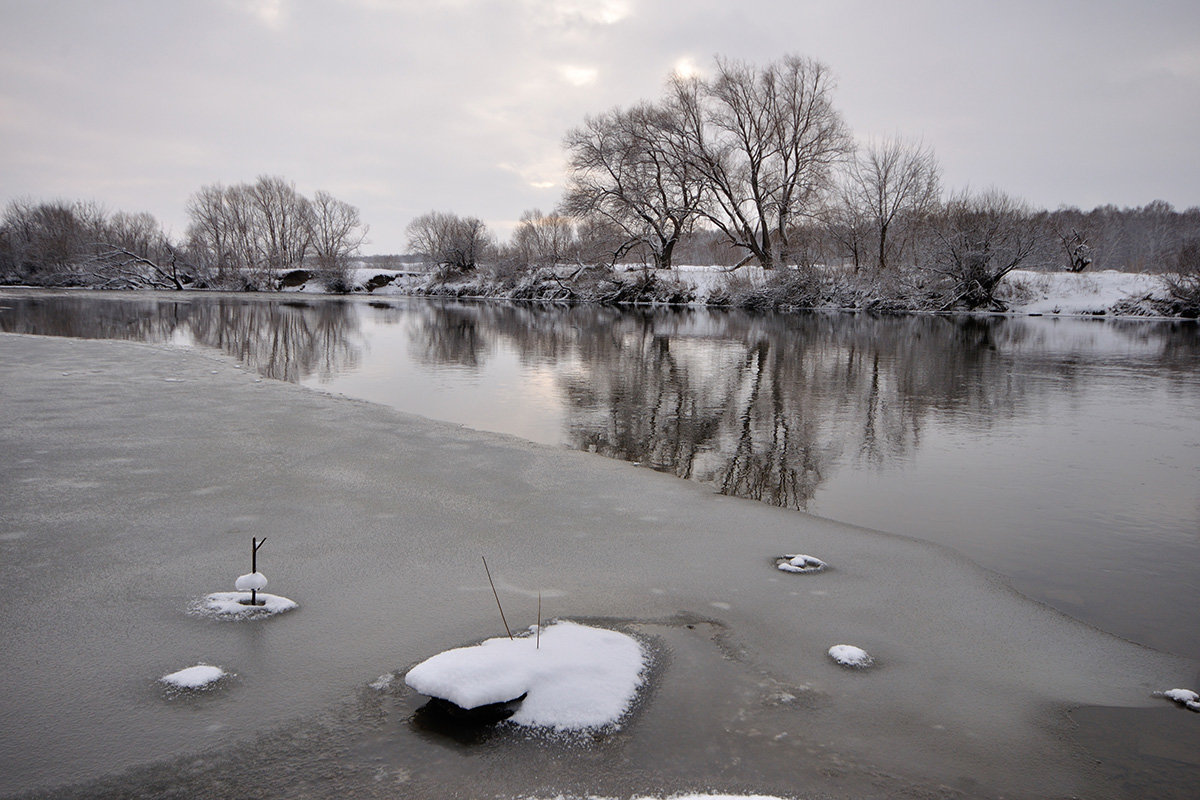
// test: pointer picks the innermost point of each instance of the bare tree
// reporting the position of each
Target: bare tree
(631, 169)
(116, 267)
(1076, 248)
(335, 233)
(49, 241)
(888, 181)
(977, 239)
(846, 224)
(282, 220)
(247, 233)
(448, 241)
(598, 240)
(223, 237)
(544, 239)
(139, 233)
(764, 143)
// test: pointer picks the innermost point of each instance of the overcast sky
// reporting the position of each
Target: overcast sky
(406, 106)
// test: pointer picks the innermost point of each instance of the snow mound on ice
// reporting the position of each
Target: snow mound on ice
(196, 677)
(715, 797)
(579, 677)
(801, 563)
(228, 605)
(1185, 697)
(850, 656)
(251, 580)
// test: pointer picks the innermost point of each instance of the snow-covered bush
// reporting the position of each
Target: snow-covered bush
(1183, 285)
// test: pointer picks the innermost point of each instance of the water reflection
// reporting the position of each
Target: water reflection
(763, 407)
(284, 340)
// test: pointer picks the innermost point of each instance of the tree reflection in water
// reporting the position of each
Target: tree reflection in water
(764, 407)
(284, 340)
(758, 406)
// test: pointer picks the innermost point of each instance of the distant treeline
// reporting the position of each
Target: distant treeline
(239, 237)
(753, 165)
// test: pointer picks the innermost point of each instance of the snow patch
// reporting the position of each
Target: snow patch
(579, 677)
(850, 656)
(800, 563)
(228, 605)
(251, 580)
(197, 677)
(714, 797)
(1185, 697)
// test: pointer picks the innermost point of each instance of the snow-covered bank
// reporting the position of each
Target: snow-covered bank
(1024, 292)
(1108, 292)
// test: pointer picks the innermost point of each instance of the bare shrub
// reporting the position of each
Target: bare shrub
(1183, 284)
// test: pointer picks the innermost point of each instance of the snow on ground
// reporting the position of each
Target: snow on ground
(1025, 291)
(850, 656)
(228, 605)
(1084, 293)
(577, 677)
(800, 563)
(196, 677)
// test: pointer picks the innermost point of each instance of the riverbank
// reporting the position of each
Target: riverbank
(135, 476)
(1022, 292)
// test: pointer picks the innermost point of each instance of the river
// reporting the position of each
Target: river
(1061, 453)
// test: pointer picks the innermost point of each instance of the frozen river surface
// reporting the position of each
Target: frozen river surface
(135, 475)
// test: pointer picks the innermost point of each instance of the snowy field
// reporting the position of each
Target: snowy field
(1086, 293)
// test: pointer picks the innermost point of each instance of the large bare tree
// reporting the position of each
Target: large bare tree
(630, 168)
(764, 142)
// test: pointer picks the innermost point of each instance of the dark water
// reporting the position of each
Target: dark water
(1061, 453)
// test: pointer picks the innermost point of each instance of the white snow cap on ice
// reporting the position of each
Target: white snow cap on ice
(229, 604)
(195, 677)
(850, 656)
(801, 563)
(251, 580)
(580, 677)
(715, 797)
(1185, 697)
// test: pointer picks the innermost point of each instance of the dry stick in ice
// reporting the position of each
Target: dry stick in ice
(497, 596)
